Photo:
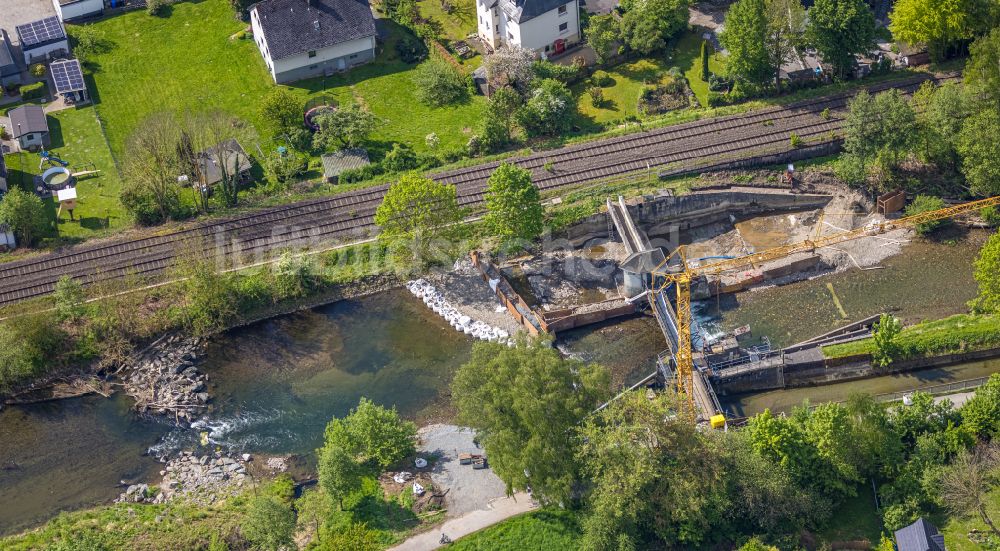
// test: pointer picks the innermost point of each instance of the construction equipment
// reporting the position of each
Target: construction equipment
(676, 271)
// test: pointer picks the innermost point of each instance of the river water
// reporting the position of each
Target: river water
(276, 384)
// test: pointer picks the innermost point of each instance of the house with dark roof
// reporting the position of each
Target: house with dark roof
(547, 27)
(919, 536)
(307, 38)
(69, 10)
(10, 73)
(29, 127)
(3, 175)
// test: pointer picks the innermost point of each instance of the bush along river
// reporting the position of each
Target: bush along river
(274, 386)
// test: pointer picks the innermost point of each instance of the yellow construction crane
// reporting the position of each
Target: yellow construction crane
(675, 270)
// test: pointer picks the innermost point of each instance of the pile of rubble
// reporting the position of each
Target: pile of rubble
(202, 480)
(461, 322)
(165, 380)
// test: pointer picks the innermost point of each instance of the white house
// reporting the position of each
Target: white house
(546, 27)
(307, 38)
(78, 9)
(42, 40)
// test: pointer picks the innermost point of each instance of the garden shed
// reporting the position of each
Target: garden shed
(29, 127)
(69, 10)
(919, 536)
(337, 162)
(231, 153)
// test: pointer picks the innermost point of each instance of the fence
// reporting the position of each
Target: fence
(944, 388)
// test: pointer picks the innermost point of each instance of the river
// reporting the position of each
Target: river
(275, 386)
(277, 383)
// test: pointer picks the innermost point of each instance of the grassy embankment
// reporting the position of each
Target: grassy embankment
(958, 333)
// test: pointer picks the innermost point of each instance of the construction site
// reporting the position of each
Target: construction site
(658, 255)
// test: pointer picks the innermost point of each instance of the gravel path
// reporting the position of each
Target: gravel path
(465, 290)
(468, 489)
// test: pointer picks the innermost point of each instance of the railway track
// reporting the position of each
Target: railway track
(349, 216)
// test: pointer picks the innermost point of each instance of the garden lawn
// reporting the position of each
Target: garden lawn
(549, 529)
(952, 334)
(181, 63)
(956, 530)
(386, 88)
(687, 56)
(855, 519)
(622, 96)
(456, 25)
(76, 137)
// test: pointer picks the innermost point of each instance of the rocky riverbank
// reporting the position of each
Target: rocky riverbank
(164, 379)
(202, 480)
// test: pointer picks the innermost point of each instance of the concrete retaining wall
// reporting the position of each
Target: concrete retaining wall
(838, 370)
(662, 214)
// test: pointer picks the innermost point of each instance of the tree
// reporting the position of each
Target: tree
(980, 151)
(925, 203)
(652, 473)
(943, 25)
(513, 204)
(648, 25)
(524, 403)
(982, 412)
(281, 168)
(982, 72)
(744, 37)
(500, 119)
(345, 126)
(400, 158)
(940, 112)
(878, 130)
(24, 213)
(510, 66)
(761, 36)
(437, 83)
(755, 544)
(416, 210)
(966, 483)
(763, 496)
(69, 298)
(987, 274)
(340, 475)
(704, 61)
(281, 111)
(151, 191)
(217, 136)
(269, 523)
(884, 340)
(373, 435)
(602, 33)
(548, 112)
(841, 29)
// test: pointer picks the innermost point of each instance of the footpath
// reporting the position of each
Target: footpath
(498, 510)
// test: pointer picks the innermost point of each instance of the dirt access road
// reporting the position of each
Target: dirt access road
(699, 146)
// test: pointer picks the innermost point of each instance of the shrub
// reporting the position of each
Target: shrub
(269, 523)
(925, 203)
(704, 60)
(280, 169)
(795, 140)
(293, 276)
(437, 83)
(88, 43)
(885, 347)
(549, 110)
(27, 347)
(563, 73)
(69, 298)
(35, 90)
(990, 216)
(25, 214)
(354, 175)
(410, 49)
(281, 111)
(401, 158)
(38, 70)
(601, 79)
(596, 95)
(156, 7)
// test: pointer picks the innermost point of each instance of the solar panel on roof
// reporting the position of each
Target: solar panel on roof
(40, 31)
(67, 75)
